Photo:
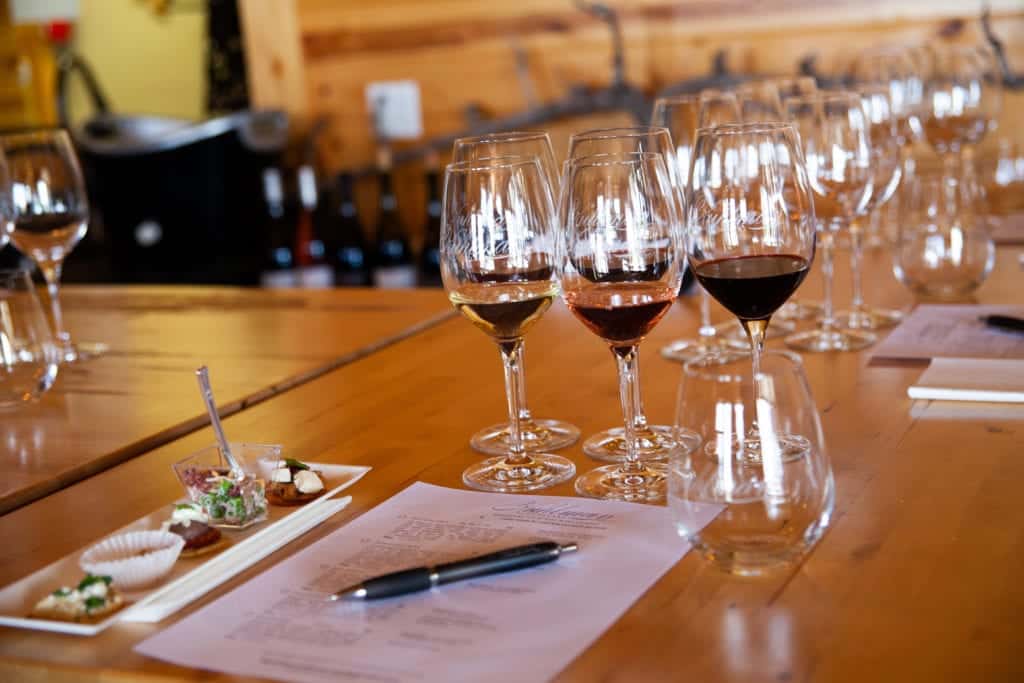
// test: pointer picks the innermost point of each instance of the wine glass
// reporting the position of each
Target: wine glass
(793, 86)
(682, 115)
(749, 243)
(962, 102)
(834, 135)
(777, 501)
(29, 358)
(499, 268)
(760, 102)
(886, 171)
(620, 273)
(49, 213)
(898, 69)
(538, 434)
(654, 441)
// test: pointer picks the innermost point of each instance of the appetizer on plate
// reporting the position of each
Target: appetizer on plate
(93, 600)
(293, 483)
(193, 524)
(228, 502)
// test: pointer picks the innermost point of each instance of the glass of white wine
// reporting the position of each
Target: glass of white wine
(49, 214)
(498, 263)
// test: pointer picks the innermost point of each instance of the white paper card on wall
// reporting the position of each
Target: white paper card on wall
(396, 109)
(39, 11)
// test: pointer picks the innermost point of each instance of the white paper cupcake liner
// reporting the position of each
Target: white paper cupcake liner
(133, 559)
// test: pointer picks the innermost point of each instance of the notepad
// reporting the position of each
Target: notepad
(971, 379)
(952, 331)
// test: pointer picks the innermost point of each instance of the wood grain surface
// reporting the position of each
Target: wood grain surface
(143, 392)
(915, 580)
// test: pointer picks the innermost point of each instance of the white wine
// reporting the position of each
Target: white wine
(505, 311)
(48, 238)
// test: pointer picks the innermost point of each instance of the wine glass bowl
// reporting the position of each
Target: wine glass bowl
(961, 101)
(538, 434)
(28, 356)
(776, 501)
(498, 266)
(620, 273)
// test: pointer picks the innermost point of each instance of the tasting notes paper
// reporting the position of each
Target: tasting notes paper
(520, 626)
(952, 331)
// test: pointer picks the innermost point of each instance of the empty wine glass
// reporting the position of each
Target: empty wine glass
(944, 250)
(682, 115)
(653, 441)
(886, 170)
(538, 434)
(834, 135)
(499, 267)
(28, 356)
(900, 71)
(777, 501)
(962, 102)
(620, 273)
(50, 214)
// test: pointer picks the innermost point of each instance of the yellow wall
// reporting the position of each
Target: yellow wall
(146, 64)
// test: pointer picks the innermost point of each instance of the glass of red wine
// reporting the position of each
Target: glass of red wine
(654, 441)
(750, 222)
(682, 115)
(49, 214)
(499, 267)
(538, 434)
(834, 135)
(620, 273)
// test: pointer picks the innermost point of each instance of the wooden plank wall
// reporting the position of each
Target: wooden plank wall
(315, 57)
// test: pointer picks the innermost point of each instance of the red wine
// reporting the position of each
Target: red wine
(753, 287)
(621, 314)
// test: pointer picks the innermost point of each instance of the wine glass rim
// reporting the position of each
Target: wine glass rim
(681, 98)
(749, 128)
(822, 96)
(503, 136)
(37, 135)
(619, 132)
(614, 159)
(703, 367)
(505, 161)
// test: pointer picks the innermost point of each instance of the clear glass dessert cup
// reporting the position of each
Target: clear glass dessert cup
(230, 502)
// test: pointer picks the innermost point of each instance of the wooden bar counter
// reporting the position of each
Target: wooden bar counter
(916, 579)
(143, 393)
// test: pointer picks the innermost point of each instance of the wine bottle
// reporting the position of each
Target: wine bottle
(392, 258)
(279, 264)
(310, 254)
(348, 243)
(430, 254)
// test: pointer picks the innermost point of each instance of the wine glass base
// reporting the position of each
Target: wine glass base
(82, 351)
(869, 319)
(685, 350)
(645, 484)
(538, 436)
(497, 475)
(822, 341)
(798, 310)
(656, 442)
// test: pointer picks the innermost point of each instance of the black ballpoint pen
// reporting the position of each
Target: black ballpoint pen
(1003, 322)
(424, 578)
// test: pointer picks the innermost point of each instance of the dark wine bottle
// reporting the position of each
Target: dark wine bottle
(393, 265)
(430, 254)
(310, 254)
(348, 243)
(279, 264)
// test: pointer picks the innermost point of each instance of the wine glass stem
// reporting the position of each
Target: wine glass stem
(629, 390)
(856, 259)
(828, 321)
(756, 332)
(707, 330)
(640, 419)
(51, 273)
(524, 411)
(511, 356)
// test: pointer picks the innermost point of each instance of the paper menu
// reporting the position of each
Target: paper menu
(952, 331)
(968, 379)
(520, 626)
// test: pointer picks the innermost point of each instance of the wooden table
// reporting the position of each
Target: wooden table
(915, 580)
(143, 392)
